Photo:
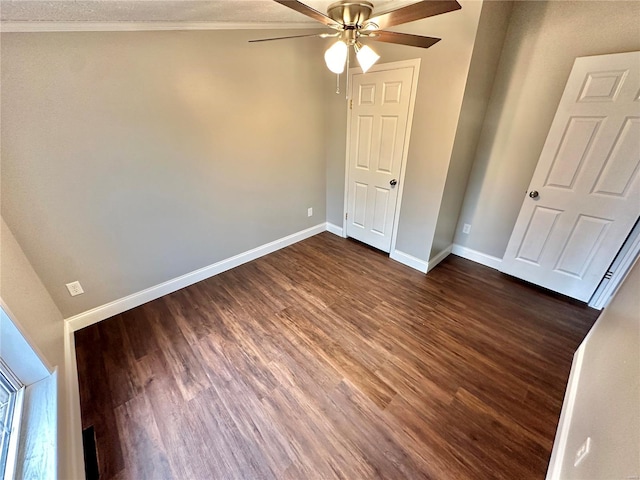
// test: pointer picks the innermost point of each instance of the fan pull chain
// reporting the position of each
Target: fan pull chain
(347, 82)
(338, 84)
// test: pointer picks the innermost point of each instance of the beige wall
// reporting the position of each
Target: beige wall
(542, 42)
(492, 29)
(129, 159)
(607, 406)
(30, 304)
(443, 76)
(335, 141)
(37, 317)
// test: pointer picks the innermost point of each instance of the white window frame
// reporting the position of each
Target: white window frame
(16, 417)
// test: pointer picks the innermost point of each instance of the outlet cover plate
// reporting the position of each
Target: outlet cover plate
(75, 288)
(583, 451)
(309, 212)
(466, 228)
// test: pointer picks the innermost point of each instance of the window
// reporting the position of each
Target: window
(10, 405)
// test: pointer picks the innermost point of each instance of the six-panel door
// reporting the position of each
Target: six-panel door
(587, 180)
(378, 127)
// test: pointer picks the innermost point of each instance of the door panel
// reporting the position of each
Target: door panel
(364, 134)
(582, 243)
(538, 231)
(574, 148)
(366, 94)
(587, 179)
(388, 135)
(379, 117)
(620, 169)
(381, 206)
(601, 86)
(360, 204)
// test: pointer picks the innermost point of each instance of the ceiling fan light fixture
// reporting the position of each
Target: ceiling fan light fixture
(336, 56)
(366, 56)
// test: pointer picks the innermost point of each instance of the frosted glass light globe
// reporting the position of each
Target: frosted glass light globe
(336, 56)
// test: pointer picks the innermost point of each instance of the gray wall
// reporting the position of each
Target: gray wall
(129, 159)
(607, 406)
(492, 29)
(542, 42)
(443, 76)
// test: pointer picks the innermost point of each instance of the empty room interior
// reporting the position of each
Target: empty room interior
(402, 243)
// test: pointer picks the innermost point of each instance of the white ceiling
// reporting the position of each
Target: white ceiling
(237, 12)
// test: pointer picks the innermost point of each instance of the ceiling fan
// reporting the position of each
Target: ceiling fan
(353, 21)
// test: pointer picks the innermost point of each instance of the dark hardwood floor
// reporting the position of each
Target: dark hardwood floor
(329, 360)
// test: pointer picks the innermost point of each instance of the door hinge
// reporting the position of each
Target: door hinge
(346, 216)
(608, 275)
(351, 104)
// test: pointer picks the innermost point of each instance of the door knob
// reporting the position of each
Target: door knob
(393, 182)
(534, 194)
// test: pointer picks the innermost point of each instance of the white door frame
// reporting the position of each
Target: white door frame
(415, 64)
(601, 299)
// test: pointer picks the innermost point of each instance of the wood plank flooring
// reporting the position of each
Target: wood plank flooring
(328, 360)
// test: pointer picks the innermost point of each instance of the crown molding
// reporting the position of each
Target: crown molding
(27, 27)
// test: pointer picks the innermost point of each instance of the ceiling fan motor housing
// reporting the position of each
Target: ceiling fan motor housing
(350, 14)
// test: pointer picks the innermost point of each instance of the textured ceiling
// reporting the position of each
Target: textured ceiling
(209, 11)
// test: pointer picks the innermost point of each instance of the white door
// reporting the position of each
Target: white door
(379, 126)
(584, 197)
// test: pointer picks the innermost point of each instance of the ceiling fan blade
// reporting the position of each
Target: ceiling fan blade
(416, 11)
(403, 39)
(308, 11)
(320, 35)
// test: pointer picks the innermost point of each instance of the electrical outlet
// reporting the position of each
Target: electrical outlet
(466, 228)
(74, 288)
(583, 451)
(309, 212)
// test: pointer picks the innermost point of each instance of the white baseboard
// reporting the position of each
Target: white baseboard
(409, 261)
(110, 309)
(560, 443)
(478, 257)
(439, 257)
(336, 230)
